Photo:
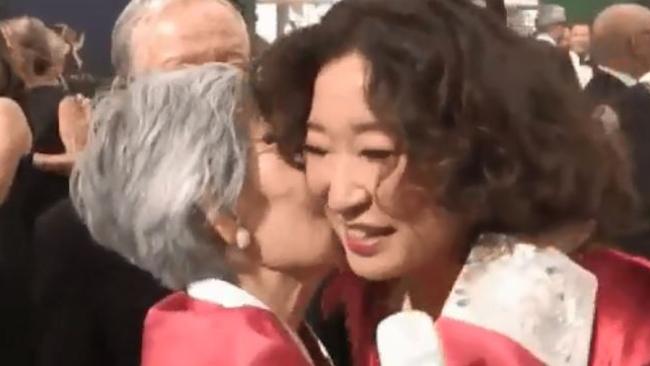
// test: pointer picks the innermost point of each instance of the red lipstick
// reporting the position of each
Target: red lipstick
(361, 248)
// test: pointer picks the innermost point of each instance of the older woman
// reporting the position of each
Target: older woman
(182, 178)
(428, 127)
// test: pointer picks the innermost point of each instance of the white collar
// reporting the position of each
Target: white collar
(544, 37)
(224, 294)
(625, 78)
(537, 297)
(645, 78)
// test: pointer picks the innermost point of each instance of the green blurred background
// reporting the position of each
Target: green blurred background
(583, 10)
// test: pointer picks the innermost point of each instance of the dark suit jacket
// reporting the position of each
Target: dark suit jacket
(633, 107)
(90, 302)
(604, 88)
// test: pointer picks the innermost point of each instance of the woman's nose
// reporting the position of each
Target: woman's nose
(347, 196)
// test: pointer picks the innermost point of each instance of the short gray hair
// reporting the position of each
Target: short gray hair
(164, 155)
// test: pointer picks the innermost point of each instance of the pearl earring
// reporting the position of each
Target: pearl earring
(242, 238)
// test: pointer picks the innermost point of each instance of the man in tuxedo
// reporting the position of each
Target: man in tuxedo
(579, 48)
(620, 51)
(90, 302)
(580, 41)
(552, 31)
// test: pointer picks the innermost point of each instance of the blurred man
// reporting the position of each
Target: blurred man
(620, 49)
(633, 109)
(553, 31)
(578, 44)
(551, 24)
(580, 41)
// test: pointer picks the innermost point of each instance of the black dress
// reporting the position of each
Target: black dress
(31, 193)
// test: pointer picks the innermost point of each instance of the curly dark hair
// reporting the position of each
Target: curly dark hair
(487, 120)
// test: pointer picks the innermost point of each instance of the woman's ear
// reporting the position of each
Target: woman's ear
(224, 225)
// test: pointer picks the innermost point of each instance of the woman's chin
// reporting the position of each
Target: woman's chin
(373, 268)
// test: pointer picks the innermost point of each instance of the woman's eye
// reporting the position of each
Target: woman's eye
(269, 138)
(377, 154)
(314, 150)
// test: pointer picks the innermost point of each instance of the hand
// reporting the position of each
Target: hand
(74, 119)
(15, 141)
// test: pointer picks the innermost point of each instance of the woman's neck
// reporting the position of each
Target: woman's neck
(287, 295)
(428, 289)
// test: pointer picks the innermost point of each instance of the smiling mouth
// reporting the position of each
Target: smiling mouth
(365, 240)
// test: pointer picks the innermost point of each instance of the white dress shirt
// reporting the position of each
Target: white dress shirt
(544, 37)
(625, 78)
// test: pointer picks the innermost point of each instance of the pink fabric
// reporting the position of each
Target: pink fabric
(465, 344)
(621, 330)
(181, 331)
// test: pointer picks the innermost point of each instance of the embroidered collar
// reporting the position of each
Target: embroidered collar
(537, 297)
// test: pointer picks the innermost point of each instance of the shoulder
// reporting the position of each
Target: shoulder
(193, 315)
(619, 274)
(622, 327)
(181, 330)
(603, 83)
(637, 92)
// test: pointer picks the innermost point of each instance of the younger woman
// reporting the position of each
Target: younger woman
(465, 182)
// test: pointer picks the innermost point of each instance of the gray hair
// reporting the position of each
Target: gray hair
(164, 155)
(121, 48)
